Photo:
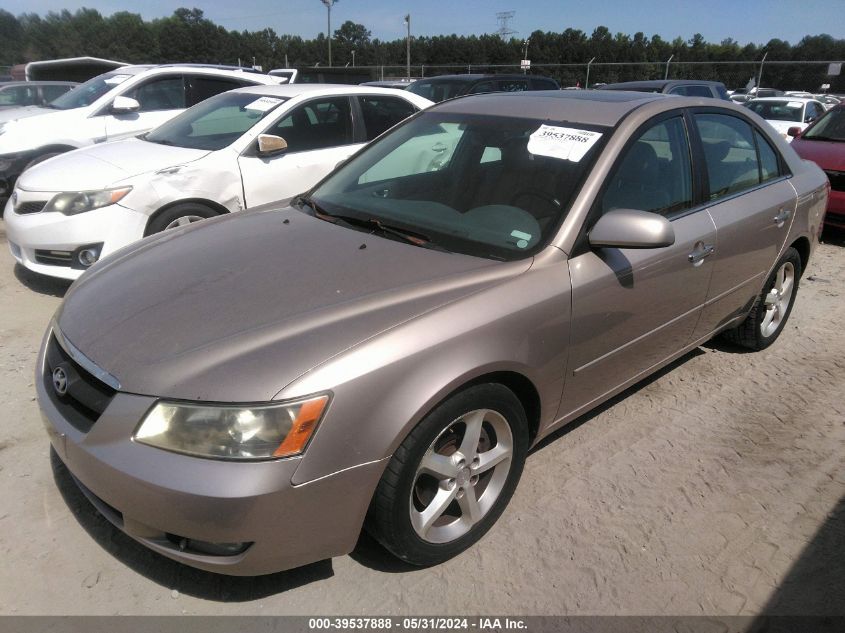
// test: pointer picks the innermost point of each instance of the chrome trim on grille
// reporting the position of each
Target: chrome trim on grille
(86, 363)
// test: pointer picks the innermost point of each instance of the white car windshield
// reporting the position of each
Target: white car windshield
(216, 122)
(90, 91)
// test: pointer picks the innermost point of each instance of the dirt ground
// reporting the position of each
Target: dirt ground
(716, 487)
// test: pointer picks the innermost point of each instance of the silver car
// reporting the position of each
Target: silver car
(245, 394)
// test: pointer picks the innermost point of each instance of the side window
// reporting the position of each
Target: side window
(729, 152)
(543, 84)
(18, 96)
(163, 93)
(769, 167)
(318, 124)
(202, 87)
(679, 90)
(655, 173)
(382, 113)
(813, 112)
(484, 87)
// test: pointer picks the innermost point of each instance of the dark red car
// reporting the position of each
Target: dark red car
(824, 144)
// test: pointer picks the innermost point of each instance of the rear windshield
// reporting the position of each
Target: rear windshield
(778, 110)
(216, 122)
(439, 89)
(489, 186)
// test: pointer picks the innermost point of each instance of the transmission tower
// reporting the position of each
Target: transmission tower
(504, 18)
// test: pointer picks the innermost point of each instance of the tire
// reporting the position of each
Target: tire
(772, 308)
(430, 471)
(179, 215)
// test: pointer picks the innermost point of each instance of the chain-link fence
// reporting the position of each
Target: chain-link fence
(809, 76)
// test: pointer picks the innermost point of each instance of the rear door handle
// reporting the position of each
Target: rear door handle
(782, 217)
(701, 251)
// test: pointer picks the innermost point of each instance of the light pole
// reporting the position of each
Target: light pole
(329, 4)
(525, 53)
(353, 58)
(408, 47)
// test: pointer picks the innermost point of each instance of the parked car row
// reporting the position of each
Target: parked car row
(420, 293)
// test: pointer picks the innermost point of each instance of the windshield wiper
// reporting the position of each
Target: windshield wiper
(412, 237)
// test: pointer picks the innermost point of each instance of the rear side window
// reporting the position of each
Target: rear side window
(161, 93)
(18, 96)
(513, 85)
(318, 124)
(484, 87)
(655, 173)
(730, 153)
(201, 88)
(381, 113)
(543, 84)
(769, 167)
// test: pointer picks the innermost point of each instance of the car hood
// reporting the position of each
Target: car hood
(238, 307)
(22, 112)
(828, 155)
(99, 166)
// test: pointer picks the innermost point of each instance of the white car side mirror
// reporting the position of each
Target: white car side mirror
(124, 105)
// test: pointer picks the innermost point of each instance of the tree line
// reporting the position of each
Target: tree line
(188, 36)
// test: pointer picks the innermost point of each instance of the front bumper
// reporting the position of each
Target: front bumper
(162, 499)
(32, 235)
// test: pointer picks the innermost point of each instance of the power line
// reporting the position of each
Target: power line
(504, 17)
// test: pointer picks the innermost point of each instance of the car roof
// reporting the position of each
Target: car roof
(783, 98)
(478, 76)
(586, 106)
(6, 84)
(294, 90)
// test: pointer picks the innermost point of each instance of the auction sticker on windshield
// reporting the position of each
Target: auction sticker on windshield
(565, 143)
(263, 104)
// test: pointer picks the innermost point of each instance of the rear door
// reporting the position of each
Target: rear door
(319, 134)
(634, 308)
(752, 205)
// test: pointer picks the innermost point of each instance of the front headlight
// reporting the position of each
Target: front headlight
(73, 202)
(244, 432)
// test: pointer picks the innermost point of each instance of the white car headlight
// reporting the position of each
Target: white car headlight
(241, 432)
(73, 202)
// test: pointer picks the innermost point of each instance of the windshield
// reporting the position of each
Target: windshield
(216, 122)
(830, 127)
(778, 110)
(490, 186)
(438, 90)
(87, 93)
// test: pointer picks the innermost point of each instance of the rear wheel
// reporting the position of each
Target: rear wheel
(768, 317)
(179, 215)
(451, 478)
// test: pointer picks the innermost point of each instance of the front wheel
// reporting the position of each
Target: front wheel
(451, 478)
(768, 317)
(179, 215)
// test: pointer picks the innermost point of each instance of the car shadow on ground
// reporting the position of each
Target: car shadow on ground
(41, 283)
(170, 574)
(833, 236)
(810, 596)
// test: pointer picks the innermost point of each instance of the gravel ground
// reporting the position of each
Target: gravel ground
(715, 487)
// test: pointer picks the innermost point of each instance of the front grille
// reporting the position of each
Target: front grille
(86, 397)
(30, 207)
(837, 180)
(54, 258)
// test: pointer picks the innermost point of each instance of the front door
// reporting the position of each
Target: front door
(634, 308)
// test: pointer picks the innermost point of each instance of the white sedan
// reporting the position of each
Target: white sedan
(783, 113)
(239, 149)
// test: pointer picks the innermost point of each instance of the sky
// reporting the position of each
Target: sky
(746, 21)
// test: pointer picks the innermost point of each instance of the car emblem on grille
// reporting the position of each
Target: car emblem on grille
(60, 381)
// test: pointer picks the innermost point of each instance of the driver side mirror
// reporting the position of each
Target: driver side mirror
(270, 145)
(794, 131)
(124, 105)
(630, 228)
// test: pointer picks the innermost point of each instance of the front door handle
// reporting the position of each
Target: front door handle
(782, 217)
(701, 251)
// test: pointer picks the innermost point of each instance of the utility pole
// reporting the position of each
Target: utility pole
(408, 47)
(760, 74)
(587, 83)
(329, 4)
(668, 61)
(525, 53)
(353, 58)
